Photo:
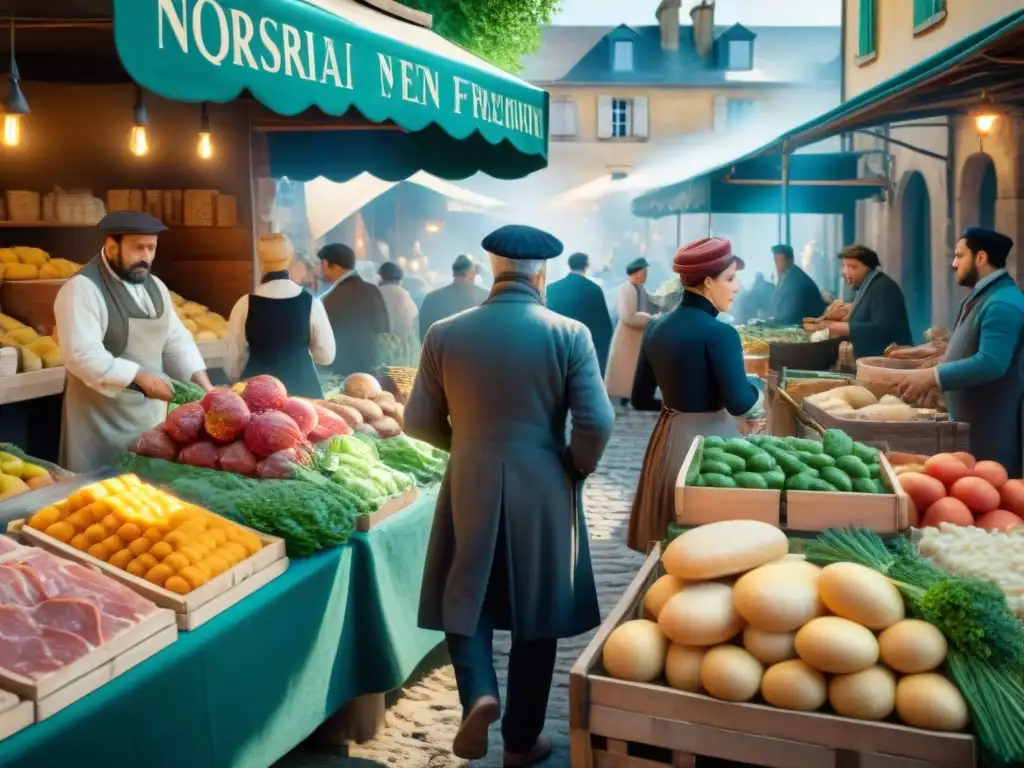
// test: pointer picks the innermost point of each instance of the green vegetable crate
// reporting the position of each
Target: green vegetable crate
(808, 498)
(390, 507)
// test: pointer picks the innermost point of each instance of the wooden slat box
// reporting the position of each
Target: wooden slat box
(15, 714)
(619, 724)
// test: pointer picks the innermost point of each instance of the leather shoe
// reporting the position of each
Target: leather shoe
(471, 740)
(540, 752)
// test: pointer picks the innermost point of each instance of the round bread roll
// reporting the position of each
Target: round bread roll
(912, 646)
(701, 614)
(769, 647)
(723, 548)
(794, 684)
(659, 594)
(731, 673)
(861, 595)
(682, 667)
(866, 695)
(776, 599)
(931, 701)
(635, 651)
(836, 645)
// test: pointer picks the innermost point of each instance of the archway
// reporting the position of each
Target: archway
(987, 195)
(978, 191)
(916, 252)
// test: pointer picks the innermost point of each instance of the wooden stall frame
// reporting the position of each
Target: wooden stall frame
(198, 606)
(697, 506)
(690, 725)
(15, 714)
(32, 385)
(390, 507)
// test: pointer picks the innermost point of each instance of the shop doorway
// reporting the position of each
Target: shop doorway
(916, 253)
(987, 196)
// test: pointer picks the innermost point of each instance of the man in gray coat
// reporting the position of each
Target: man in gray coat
(509, 547)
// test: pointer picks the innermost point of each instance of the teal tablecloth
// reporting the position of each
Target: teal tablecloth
(245, 688)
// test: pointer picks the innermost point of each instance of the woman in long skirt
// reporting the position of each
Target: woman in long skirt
(697, 362)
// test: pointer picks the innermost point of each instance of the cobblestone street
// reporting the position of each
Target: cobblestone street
(422, 719)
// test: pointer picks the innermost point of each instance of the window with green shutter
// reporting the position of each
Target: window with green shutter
(928, 13)
(866, 26)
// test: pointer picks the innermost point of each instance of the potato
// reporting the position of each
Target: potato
(387, 427)
(368, 409)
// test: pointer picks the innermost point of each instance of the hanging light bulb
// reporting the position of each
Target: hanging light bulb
(205, 148)
(139, 143)
(984, 123)
(15, 105)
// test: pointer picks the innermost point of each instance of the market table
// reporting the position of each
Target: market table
(248, 686)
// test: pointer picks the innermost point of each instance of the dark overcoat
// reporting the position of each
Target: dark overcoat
(796, 297)
(447, 301)
(581, 299)
(358, 314)
(495, 387)
(879, 318)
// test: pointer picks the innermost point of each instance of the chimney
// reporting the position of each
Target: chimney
(703, 15)
(668, 19)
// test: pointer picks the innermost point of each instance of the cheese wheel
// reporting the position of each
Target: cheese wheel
(836, 645)
(866, 695)
(775, 598)
(931, 701)
(794, 684)
(701, 614)
(861, 594)
(682, 667)
(912, 646)
(659, 594)
(731, 673)
(723, 548)
(635, 651)
(769, 647)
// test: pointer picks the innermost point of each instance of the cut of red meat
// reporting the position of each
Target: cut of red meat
(78, 617)
(16, 588)
(16, 623)
(28, 656)
(64, 647)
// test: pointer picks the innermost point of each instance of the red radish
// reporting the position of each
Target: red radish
(271, 432)
(303, 412)
(237, 458)
(201, 454)
(1012, 496)
(965, 458)
(156, 444)
(946, 468)
(209, 396)
(227, 416)
(978, 494)
(999, 520)
(992, 471)
(264, 393)
(947, 510)
(185, 423)
(924, 490)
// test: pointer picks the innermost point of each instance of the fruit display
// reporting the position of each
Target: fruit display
(26, 263)
(203, 324)
(35, 352)
(20, 475)
(363, 403)
(857, 402)
(837, 463)
(147, 532)
(54, 611)
(852, 627)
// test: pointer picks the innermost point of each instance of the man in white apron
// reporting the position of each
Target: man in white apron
(119, 335)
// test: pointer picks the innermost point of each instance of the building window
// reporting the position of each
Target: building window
(867, 25)
(622, 56)
(562, 118)
(738, 111)
(741, 55)
(620, 118)
(928, 13)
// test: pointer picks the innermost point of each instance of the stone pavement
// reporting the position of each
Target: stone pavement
(422, 719)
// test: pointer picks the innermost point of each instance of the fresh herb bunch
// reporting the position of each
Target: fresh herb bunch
(996, 702)
(185, 392)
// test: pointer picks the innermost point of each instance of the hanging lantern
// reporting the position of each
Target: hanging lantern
(15, 105)
(205, 148)
(139, 143)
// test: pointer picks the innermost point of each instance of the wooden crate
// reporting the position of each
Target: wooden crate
(390, 507)
(31, 385)
(57, 690)
(925, 436)
(199, 605)
(15, 714)
(793, 510)
(618, 724)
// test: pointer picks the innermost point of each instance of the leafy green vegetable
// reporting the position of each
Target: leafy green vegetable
(185, 392)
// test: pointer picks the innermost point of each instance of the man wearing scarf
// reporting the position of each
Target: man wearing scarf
(982, 375)
(509, 547)
(878, 316)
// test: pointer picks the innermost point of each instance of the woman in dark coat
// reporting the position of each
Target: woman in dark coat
(697, 362)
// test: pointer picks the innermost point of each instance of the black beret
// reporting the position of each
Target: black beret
(390, 271)
(131, 223)
(338, 254)
(518, 241)
(636, 265)
(995, 244)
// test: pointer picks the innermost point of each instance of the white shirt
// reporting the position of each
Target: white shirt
(402, 310)
(321, 336)
(81, 314)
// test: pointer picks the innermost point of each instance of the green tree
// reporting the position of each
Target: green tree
(500, 31)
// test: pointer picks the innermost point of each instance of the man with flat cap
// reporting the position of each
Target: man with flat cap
(509, 547)
(356, 310)
(796, 295)
(578, 297)
(121, 339)
(878, 316)
(635, 308)
(461, 294)
(982, 375)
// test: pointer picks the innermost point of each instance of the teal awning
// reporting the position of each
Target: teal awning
(338, 56)
(819, 183)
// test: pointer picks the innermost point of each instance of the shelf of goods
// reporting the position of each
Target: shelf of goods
(798, 484)
(729, 645)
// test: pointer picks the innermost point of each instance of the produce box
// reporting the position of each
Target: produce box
(621, 724)
(793, 510)
(15, 714)
(392, 506)
(926, 436)
(32, 385)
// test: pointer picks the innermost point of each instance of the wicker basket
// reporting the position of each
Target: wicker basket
(198, 207)
(24, 206)
(402, 378)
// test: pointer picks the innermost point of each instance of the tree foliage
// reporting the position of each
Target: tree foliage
(500, 31)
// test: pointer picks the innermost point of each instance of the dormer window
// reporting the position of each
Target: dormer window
(736, 49)
(741, 55)
(622, 56)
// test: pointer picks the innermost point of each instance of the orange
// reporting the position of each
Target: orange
(219, 535)
(140, 546)
(111, 523)
(135, 568)
(63, 507)
(121, 558)
(250, 541)
(81, 519)
(207, 539)
(61, 531)
(204, 568)
(160, 550)
(236, 549)
(44, 518)
(217, 564)
(176, 561)
(96, 533)
(129, 532)
(195, 577)
(234, 533)
(178, 584)
(228, 555)
(147, 560)
(119, 508)
(158, 574)
(154, 534)
(81, 542)
(176, 539)
(113, 544)
(193, 554)
(99, 551)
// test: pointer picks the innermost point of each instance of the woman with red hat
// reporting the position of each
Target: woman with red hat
(697, 362)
